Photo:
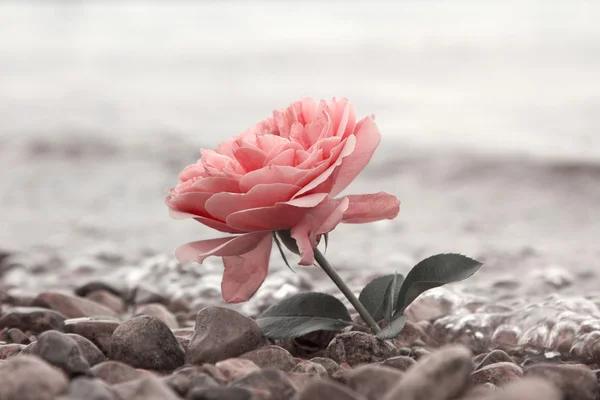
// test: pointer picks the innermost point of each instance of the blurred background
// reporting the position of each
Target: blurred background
(103, 102)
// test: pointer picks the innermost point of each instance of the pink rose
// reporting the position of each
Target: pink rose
(282, 174)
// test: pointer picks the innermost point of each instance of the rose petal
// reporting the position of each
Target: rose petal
(189, 202)
(317, 221)
(245, 273)
(250, 159)
(367, 139)
(271, 174)
(221, 205)
(371, 207)
(213, 184)
(227, 246)
(280, 216)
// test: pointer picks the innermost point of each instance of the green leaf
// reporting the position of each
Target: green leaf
(303, 313)
(390, 297)
(432, 272)
(394, 328)
(374, 294)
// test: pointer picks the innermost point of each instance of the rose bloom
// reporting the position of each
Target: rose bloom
(281, 175)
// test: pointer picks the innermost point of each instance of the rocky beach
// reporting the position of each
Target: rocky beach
(487, 157)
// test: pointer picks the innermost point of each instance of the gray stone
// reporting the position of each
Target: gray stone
(235, 368)
(159, 311)
(30, 378)
(149, 387)
(328, 390)
(187, 378)
(224, 393)
(330, 366)
(576, 382)
(89, 350)
(529, 389)
(372, 381)
(401, 363)
(89, 389)
(311, 368)
(271, 356)
(267, 384)
(493, 357)
(32, 319)
(61, 351)
(221, 333)
(72, 306)
(449, 368)
(499, 374)
(146, 342)
(114, 372)
(98, 331)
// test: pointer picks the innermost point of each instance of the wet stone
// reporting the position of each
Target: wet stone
(72, 306)
(89, 350)
(30, 378)
(328, 390)
(221, 333)
(499, 374)
(268, 384)
(187, 378)
(271, 356)
(89, 389)
(372, 381)
(32, 319)
(113, 372)
(61, 351)
(108, 299)
(223, 393)
(149, 387)
(449, 367)
(235, 368)
(494, 356)
(159, 311)
(146, 342)
(575, 382)
(357, 348)
(401, 363)
(98, 331)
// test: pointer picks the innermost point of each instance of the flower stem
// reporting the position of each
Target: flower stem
(362, 311)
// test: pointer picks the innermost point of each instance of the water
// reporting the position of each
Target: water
(504, 77)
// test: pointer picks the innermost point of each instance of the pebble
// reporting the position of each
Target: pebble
(93, 286)
(89, 350)
(98, 331)
(144, 294)
(330, 366)
(413, 334)
(222, 393)
(61, 351)
(494, 356)
(89, 389)
(32, 319)
(149, 387)
(107, 299)
(575, 382)
(72, 306)
(372, 381)
(499, 373)
(146, 342)
(113, 372)
(221, 333)
(357, 348)
(159, 311)
(271, 356)
(310, 368)
(16, 335)
(188, 378)
(529, 389)
(9, 350)
(328, 390)
(401, 363)
(30, 378)
(235, 368)
(267, 384)
(449, 367)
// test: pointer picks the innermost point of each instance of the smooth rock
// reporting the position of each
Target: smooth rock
(372, 381)
(32, 319)
(449, 368)
(108, 299)
(9, 350)
(529, 389)
(146, 342)
(187, 378)
(144, 294)
(235, 368)
(16, 335)
(328, 390)
(329, 365)
(72, 306)
(61, 351)
(413, 334)
(94, 286)
(98, 331)
(223, 393)
(148, 387)
(159, 311)
(267, 384)
(357, 348)
(499, 374)
(271, 356)
(89, 389)
(493, 357)
(221, 333)
(114, 372)
(575, 382)
(311, 368)
(401, 363)
(30, 378)
(89, 350)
